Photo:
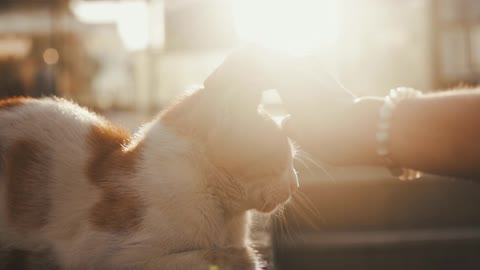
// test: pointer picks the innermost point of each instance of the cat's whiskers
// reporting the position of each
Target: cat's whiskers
(280, 224)
(306, 209)
(289, 234)
(303, 208)
(303, 156)
(300, 159)
(309, 204)
(268, 200)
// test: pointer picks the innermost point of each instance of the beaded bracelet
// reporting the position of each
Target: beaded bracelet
(383, 131)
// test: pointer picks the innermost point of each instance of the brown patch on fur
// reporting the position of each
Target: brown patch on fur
(110, 168)
(28, 172)
(9, 103)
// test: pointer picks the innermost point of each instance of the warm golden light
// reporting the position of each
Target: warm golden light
(132, 24)
(131, 18)
(296, 26)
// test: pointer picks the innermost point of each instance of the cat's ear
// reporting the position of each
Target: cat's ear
(246, 67)
(240, 80)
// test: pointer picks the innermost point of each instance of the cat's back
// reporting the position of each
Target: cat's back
(47, 119)
(51, 131)
(55, 160)
(42, 140)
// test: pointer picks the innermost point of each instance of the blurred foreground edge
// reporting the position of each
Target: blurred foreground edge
(432, 223)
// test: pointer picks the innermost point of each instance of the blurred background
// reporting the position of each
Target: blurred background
(128, 59)
(137, 55)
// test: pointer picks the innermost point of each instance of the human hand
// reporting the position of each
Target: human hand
(324, 118)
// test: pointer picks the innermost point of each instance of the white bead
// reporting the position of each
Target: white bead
(382, 152)
(382, 136)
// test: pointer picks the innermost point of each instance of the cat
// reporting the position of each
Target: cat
(175, 195)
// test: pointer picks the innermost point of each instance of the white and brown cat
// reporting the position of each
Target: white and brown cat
(175, 195)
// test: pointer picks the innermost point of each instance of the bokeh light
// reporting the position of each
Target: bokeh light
(51, 56)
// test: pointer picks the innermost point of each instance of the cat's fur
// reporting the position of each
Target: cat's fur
(175, 195)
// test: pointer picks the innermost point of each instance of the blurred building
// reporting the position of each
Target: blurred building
(140, 54)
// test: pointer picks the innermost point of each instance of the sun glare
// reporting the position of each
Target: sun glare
(296, 26)
(132, 24)
(130, 17)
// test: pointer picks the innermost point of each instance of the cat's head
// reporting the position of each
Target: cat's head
(251, 149)
(253, 155)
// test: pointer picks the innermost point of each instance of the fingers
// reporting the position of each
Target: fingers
(303, 86)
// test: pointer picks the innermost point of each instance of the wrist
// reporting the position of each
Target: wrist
(384, 132)
(347, 137)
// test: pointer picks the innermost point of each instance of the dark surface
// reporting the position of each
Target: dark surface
(431, 223)
(443, 255)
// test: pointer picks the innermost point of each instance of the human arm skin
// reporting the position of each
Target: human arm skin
(439, 133)
(436, 133)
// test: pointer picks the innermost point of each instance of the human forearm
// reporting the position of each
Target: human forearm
(439, 133)
(436, 133)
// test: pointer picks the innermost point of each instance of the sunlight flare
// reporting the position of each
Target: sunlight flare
(296, 26)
